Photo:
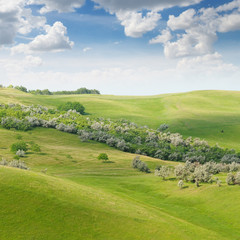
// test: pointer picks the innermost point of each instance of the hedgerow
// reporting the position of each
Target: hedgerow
(121, 134)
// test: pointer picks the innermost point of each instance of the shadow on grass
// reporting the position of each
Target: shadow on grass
(107, 162)
(172, 179)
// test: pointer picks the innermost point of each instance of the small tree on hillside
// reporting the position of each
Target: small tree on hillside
(103, 157)
(163, 172)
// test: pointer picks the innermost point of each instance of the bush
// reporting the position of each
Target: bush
(19, 146)
(141, 166)
(11, 122)
(35, 147)
(20, 153)
(180, 184)
(103, 156)
(72, 106)
(230, 179)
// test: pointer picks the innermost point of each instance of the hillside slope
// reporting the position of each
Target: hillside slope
(81, 197)
(201, 114)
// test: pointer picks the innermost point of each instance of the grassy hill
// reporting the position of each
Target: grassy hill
(81, 197)
(201, 114)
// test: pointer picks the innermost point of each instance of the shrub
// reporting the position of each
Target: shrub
(72, 106)
(11, 122)
(237, 178)
(163, 127)
(180, 184)
(20, 153)
(19, 146)
(141, 166)
(103, 156)
(230, 179)
(35, 147)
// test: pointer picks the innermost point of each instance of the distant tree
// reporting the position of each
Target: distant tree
(21, 88)
(103, 156)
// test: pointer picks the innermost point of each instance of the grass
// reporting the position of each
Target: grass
(201, 114)
(81, 197)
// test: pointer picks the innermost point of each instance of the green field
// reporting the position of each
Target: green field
(201, 114)
(81, 197)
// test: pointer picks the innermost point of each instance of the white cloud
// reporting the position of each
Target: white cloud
(136, 24)
(185, 20)
(138, 5)
(14, 18)
(58, 5)
(86, 49)
(207, 63)
(54, 40)
(199, 30)
(229, 6)
(129, 13)
(164, 37)
(131, 76)
(229, 23)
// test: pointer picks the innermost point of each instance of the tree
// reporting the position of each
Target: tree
(163, 172)
(103, 156)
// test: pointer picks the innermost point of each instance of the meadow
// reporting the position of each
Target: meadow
(80, 197)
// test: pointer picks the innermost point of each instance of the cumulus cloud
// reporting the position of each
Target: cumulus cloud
(129, 13)
(199, 30)
(54, 40)
(164, 37)
(138, 5)
(136, 24)
(207, 63)
(58, 5)
(14, 18)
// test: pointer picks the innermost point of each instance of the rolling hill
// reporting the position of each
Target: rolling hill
(201, 114)
(81, 197)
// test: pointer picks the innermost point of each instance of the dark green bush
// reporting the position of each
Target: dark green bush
(21, 145)
(72, 106)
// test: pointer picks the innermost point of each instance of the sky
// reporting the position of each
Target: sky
(127, 47)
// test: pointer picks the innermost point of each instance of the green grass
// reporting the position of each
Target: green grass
(81, 197)
(201, 114)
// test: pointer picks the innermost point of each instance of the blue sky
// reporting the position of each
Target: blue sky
(128, 47)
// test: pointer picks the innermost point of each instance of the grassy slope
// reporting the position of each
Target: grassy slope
(82, 198)
(199, 114)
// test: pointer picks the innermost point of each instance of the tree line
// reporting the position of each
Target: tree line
(82, 90)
